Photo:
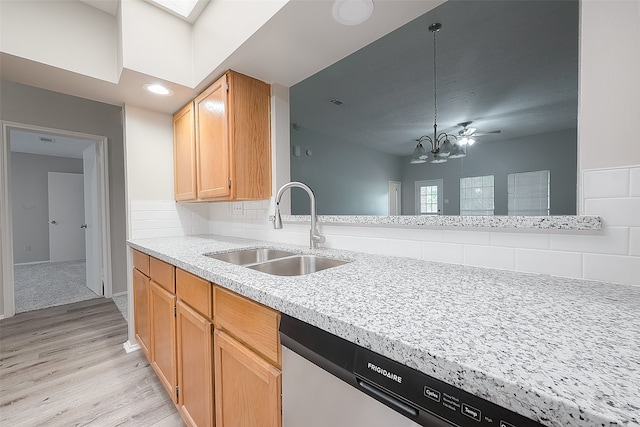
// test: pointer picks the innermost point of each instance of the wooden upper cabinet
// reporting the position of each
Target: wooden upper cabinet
(184, 154)
(231, 141)
(212, 141)
(250, 134)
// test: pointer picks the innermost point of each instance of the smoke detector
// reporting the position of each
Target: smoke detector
(352, 12)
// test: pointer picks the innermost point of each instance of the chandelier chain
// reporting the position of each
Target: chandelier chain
(435, 92)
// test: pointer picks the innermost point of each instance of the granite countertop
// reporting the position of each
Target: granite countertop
(565, 352)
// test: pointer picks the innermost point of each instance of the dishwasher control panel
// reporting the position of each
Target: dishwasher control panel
(423, 393)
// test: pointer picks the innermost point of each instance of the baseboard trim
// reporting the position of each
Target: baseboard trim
(130, 348)
(32, 263)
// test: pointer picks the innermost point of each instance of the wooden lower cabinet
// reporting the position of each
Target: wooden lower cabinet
(223, 373)
(247, 387)
(195, 367)
(141, 310)
(163, 337)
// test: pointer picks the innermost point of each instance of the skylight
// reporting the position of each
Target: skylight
(185, 9)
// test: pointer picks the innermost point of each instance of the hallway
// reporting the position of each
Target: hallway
(50, 284)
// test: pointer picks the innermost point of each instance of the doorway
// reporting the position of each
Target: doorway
(395, 198)
(429, 197)
(88, 153)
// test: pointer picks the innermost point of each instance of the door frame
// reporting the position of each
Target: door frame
(439, 183)
(6, 237)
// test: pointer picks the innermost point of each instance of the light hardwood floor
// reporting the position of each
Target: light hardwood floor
(65, 366)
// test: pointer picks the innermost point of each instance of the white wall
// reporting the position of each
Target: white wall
(69, 35)
(149, 153)
(156, 43)
(225, 25)
(609, 106)
(29, 202)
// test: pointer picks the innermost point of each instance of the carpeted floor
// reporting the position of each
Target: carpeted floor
(50, 284)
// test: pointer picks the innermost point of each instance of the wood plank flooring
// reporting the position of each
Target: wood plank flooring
(65, 366)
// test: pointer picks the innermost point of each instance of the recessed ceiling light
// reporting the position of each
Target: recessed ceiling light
(352, 12)
(157, 89)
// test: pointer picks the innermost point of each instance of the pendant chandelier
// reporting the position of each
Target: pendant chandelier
(441, 145)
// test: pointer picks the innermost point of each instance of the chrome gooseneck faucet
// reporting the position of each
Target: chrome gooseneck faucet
(314, 235)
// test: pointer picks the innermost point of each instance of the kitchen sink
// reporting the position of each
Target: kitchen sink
(297, 265)
(250, 256)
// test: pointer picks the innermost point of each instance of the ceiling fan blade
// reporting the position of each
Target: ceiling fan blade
(493, 132)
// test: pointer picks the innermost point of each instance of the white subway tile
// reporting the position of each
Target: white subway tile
(170, 214)
(168, 205)
(347, 243)
(373, 246)
(634, 180)
(606, 183)
(145, 225)
(490, 256)
(199, 230)
(135, 205)
(172, 223)
(615, 212)
(565, 264)
(634, 241)
(468, 237)
(520, 240)
(443, 252)
(142, 234)
(612, 268)
(141, 215)
(404, 248)
(609, 240)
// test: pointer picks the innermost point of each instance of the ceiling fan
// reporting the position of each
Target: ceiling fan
(467, 134)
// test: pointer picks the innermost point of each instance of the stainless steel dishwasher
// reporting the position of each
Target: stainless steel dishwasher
(330, 382)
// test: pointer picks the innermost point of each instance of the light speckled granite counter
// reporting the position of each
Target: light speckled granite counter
(555, 222)
(565, 352)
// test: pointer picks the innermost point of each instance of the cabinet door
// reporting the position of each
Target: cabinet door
(141, 311)
(163, 337)
(212, 141)
(195, 367)
(248, 388)
(184, 154)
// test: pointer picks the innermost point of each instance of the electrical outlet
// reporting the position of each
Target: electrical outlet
(237, 209)
(27, 248)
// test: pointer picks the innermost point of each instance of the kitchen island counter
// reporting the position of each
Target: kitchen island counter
(562, 351)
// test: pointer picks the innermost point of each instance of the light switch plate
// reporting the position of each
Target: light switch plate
(237, 209)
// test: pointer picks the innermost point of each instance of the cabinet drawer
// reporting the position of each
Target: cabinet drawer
(250, 322)
(141, 262)
(195, 292)
(163, 274)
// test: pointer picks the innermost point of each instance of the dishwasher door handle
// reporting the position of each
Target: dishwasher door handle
(400, 406)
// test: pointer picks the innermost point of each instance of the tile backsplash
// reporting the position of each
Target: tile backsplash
(611, 254)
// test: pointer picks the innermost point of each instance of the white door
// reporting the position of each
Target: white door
(66, 216)
(92, 221)
(395, 200)
(429, 197)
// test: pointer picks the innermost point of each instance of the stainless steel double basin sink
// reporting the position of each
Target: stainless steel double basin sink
(277, 262)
